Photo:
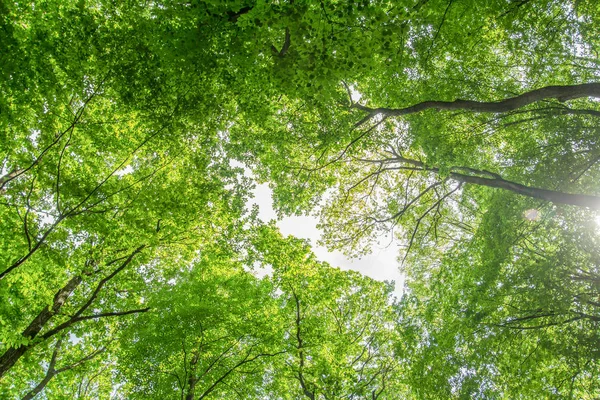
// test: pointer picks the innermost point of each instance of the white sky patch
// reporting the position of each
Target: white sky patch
(34, 136)
(124, 171)
(532, 214)
(74, 339)
(261, 272)
(381, 265)
(355, 94)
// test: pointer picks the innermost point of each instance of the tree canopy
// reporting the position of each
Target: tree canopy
(464, 133)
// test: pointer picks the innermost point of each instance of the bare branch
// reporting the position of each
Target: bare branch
(18, 172)
(418, 223)
(560, 93)
(413, 201)
(60, 157)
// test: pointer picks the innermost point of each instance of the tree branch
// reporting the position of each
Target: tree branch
(18, 172)
(52, 372)
(580, 200)
(13, 354)
(560, 93)
(300, 347)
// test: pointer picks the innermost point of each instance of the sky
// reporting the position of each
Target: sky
(381, 264)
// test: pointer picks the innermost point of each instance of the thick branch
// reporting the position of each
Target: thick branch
(561, 93)
(77, 317)
(49, 374)
(496, 181)
(13, 354)
(580, 200)
(74, 320)
(10, 176)
(193, 379)
(106, 279)
(300, 348)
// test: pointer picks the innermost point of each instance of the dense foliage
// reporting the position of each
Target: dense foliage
(133, 133)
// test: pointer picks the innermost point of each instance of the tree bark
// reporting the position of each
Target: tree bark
(191, 387)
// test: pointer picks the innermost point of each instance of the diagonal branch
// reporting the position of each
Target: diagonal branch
(9, 358)
(105, 280)
(496, 181)
(77, 209)
(247, 359)
(72, 321)
(18, 172)
(52, 372)
(560, 93)
(416, 228)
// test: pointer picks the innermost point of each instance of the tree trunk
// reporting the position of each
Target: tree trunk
(193, 379)
(13, 354)
(191, 388)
